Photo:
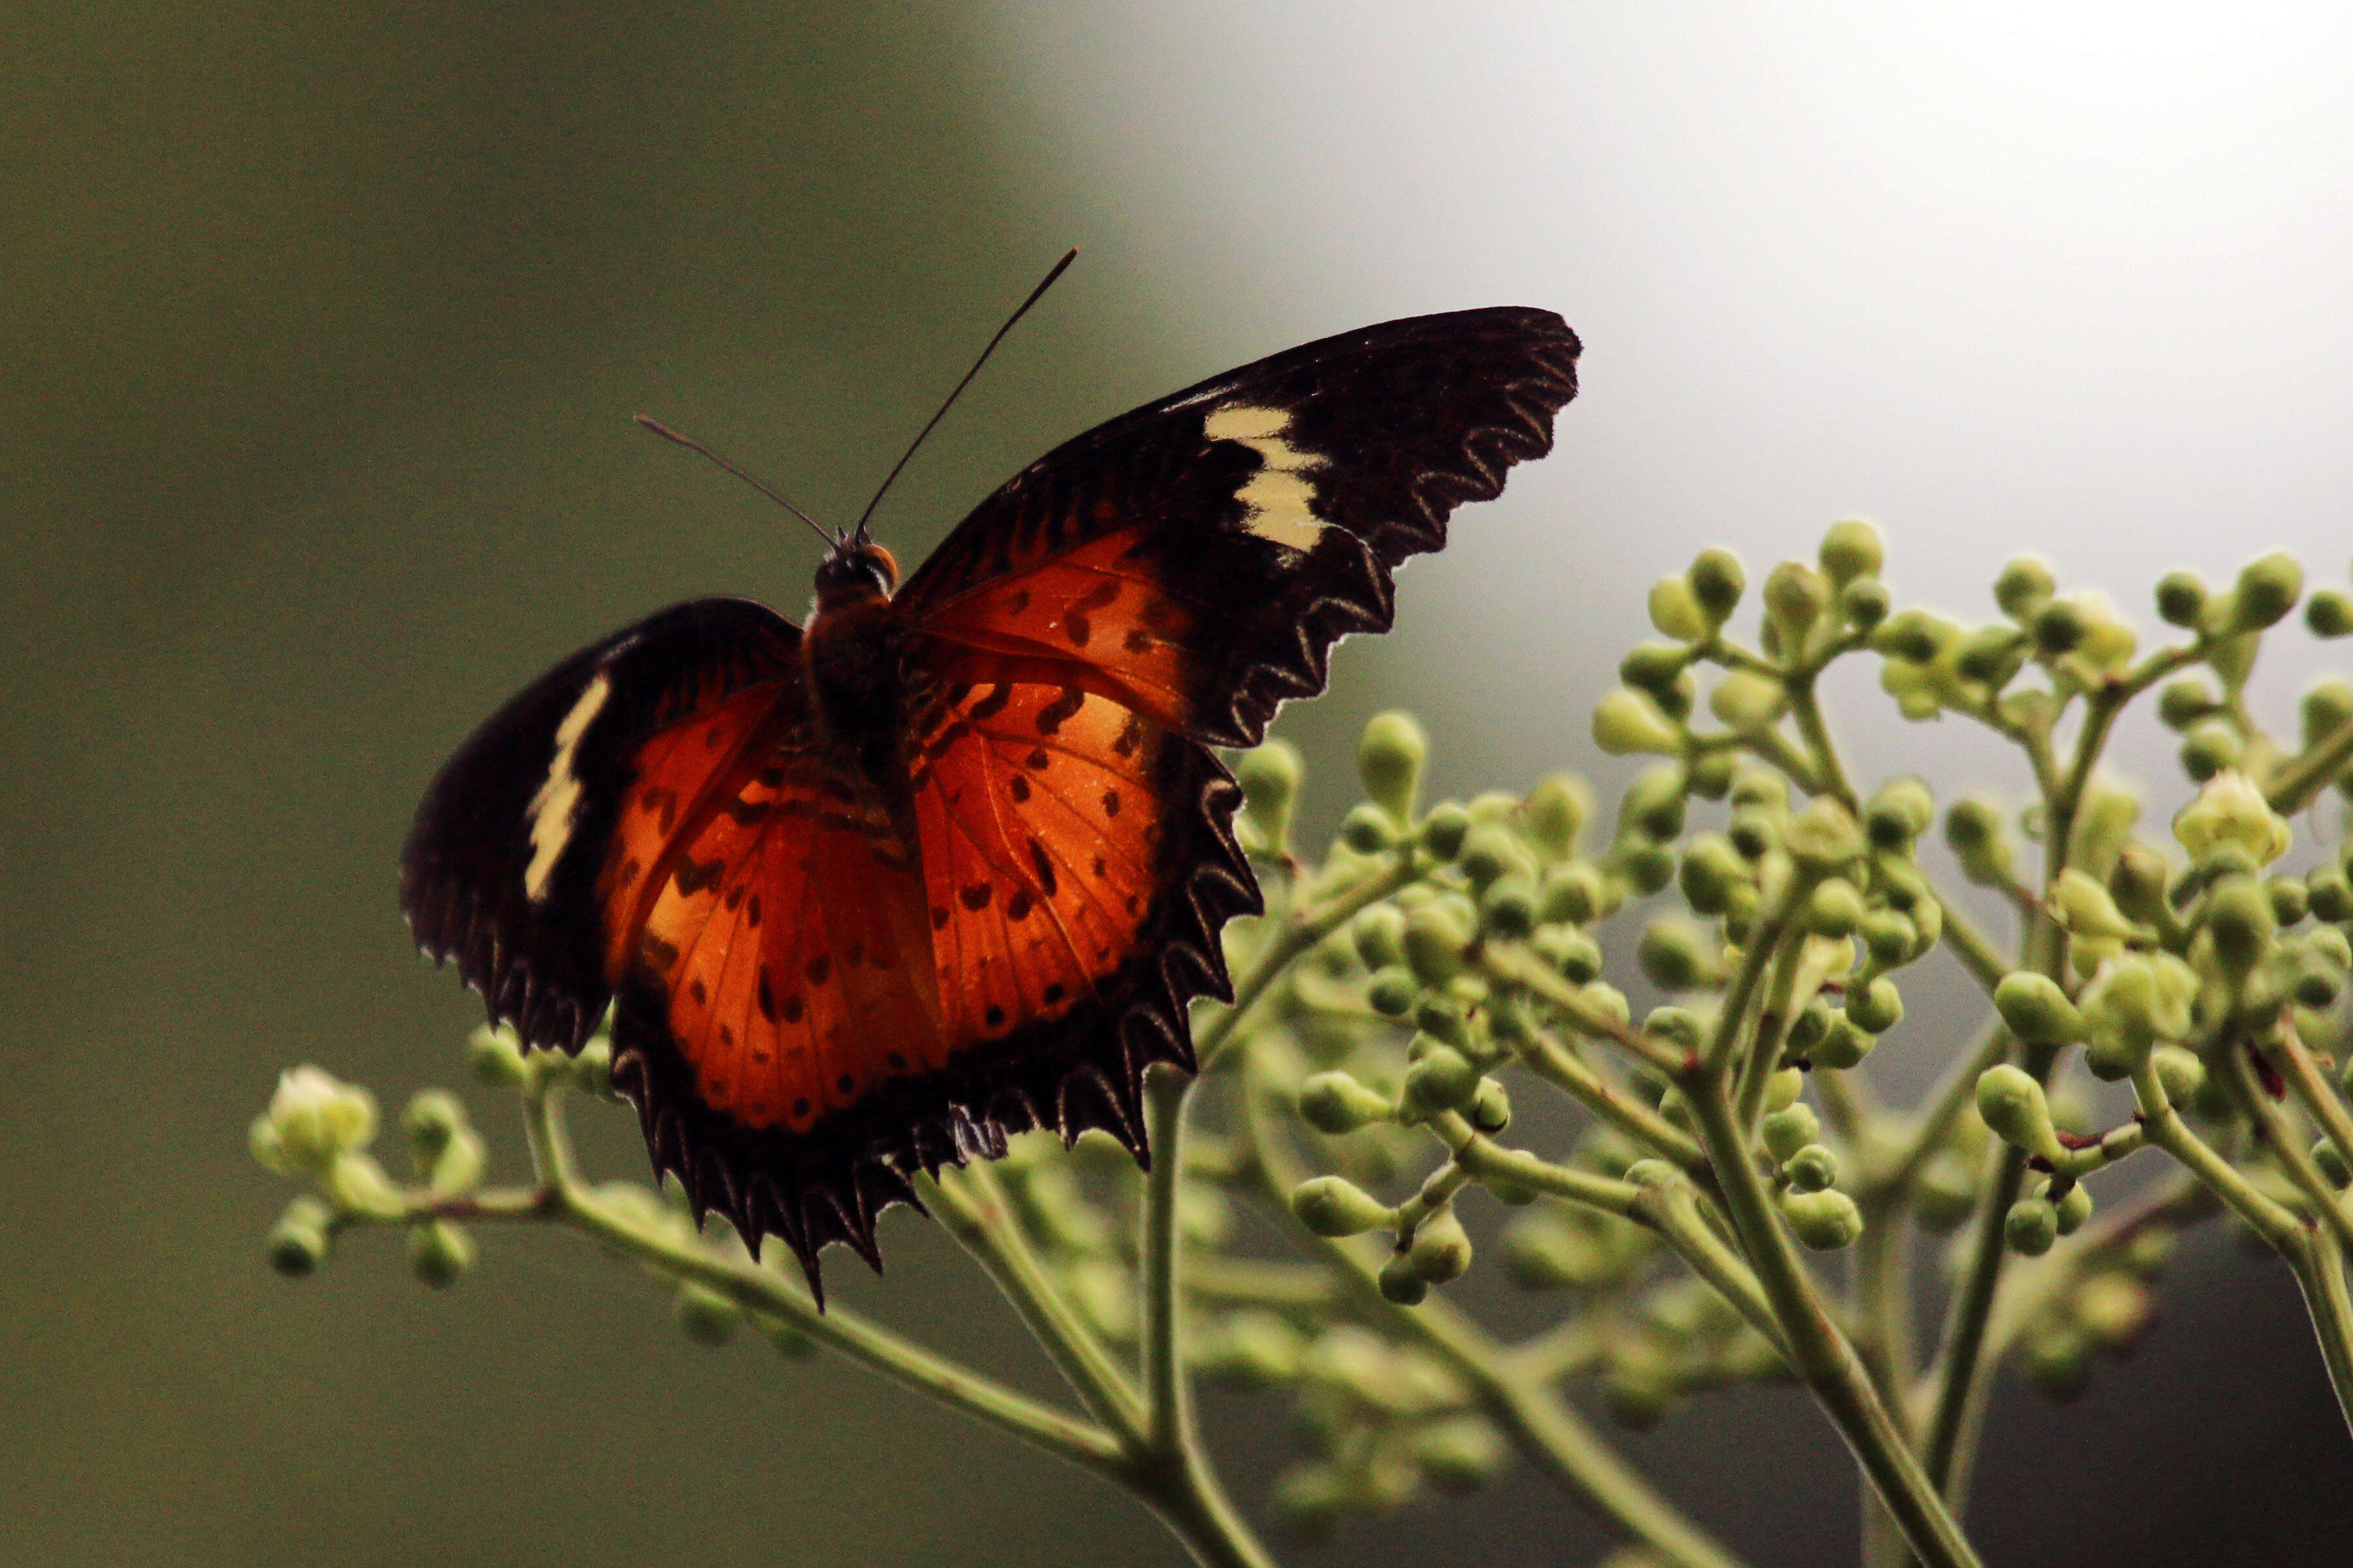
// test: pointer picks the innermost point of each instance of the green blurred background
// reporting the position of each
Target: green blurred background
(320, 327)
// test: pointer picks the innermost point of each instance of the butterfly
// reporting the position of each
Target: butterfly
(949, 859)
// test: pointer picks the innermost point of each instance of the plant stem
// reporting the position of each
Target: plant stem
(764, 1292)
(1552, 1435)
(972, 1206)
(2320, 1275)
(1169, 1427)
(1824, 1356)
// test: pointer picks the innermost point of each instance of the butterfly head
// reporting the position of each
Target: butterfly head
(857, 568)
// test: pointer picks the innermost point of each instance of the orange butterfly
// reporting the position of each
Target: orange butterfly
(949, 860)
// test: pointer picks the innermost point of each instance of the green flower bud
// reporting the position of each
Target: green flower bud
(1991, 655)
(1369, 829)
(2327, 704)
(1795, 597)
(1607, 999)
(2317, 984)
(495, 1058)
(2012, 1103)
(1573, 894)
(1716, 583)
(706, 1316)
(1308, 1500)
(1673, 955)
(2180, 598)
(432, 1119)
(1915, 636)
(2073, 1207)
(2268, 588)
(2179, 1070)
(1441, 1250)
(1711, 870)
(1337, 1103)
(1490, 852)
(1508, 907)
(1806, 1029)
(1657, 668)
(355, 1184)
(1491, 1111)
(2328, 613)
(2024, 586)
(1844, 1045)
(1443, 1017)
(1443, 830)
(1755, 831)
(2036, 1009)
(1270, 778)
(1812, 1169)
(1555, 813)
(1852, 548)
(1393, 991)
(2239, 920)
(1823, 837)
(1441, 1080)
(1627, 722)
(301, 1238)
(2211, 749)
(1899, 813)
(1678, 1027)
(1435, 940)
(2031, 1227)
(2138, 881)
(1335, 1206)
(1675, 610)
(1876, 1008)
(1788, 1129)
(1459, 1453)
(1890, 937)
(1390, 759)
(2327, 945)
(1864, 603)
(2182, 702)
(2113, 1310)
(2330, 1161)
(1646, 864)
(1835, 909)
(1782, 1089)
(1947, 1194)
(1378, 934)
(1973, 830)
(1576, 956)
(1746, 700)
(439, 1253)
(2287, 896)
(314, 1117)
(2232, 811)
(2059, 627)
(1825, 1221)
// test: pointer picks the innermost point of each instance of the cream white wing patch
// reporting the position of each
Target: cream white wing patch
(1281, 495)
(558, 800)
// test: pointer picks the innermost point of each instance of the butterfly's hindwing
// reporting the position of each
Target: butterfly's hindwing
(501, 870)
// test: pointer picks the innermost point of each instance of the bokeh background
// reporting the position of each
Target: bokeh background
(319, 328)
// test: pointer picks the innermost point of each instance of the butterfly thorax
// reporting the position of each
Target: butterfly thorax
(850, 654)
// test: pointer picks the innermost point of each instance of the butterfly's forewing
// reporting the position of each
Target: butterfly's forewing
(1197, 559)
(504, 867)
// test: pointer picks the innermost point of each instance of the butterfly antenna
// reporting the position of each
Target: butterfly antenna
(773, 494)
(1060, 268)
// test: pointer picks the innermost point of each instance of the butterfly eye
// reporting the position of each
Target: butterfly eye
(882, 564)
